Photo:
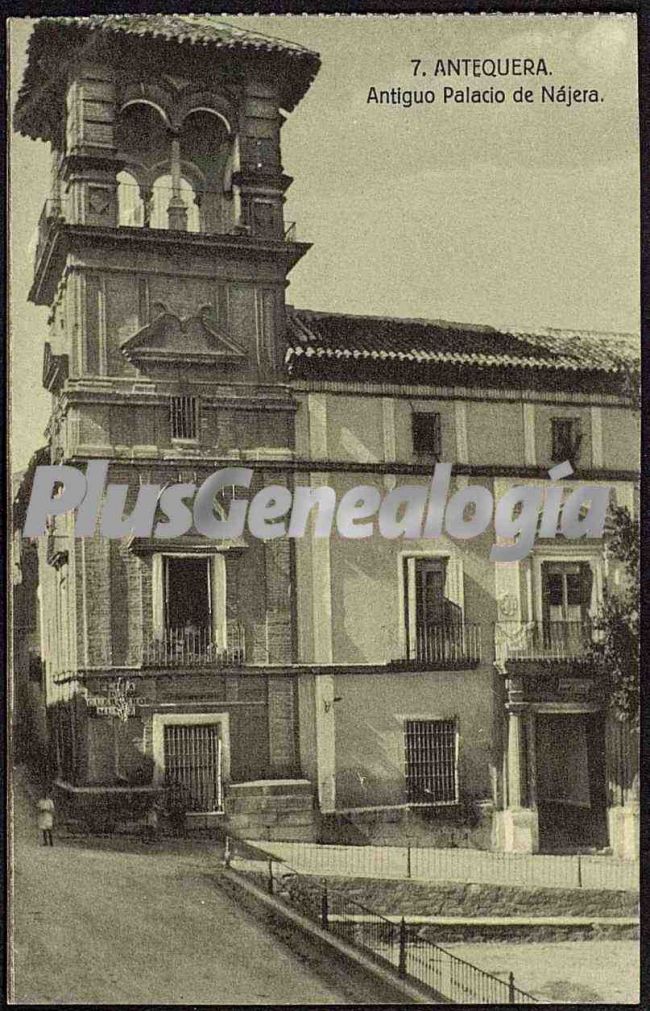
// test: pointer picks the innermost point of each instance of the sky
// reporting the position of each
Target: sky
(511, 215)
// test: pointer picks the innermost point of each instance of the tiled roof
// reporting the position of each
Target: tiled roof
(320, 337)
(54, 39)
(201, 29)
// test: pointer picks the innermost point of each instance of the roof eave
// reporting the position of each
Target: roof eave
(28, 116)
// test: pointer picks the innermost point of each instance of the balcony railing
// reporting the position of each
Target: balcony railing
(199, 213)
(447, 645)
(545, 640)
(195, 647)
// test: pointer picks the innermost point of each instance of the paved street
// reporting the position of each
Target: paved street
(115, 922)
(101, 926)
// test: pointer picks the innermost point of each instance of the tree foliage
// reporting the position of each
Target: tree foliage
(616, 650)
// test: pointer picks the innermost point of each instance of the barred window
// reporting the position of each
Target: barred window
(431, 761)
(184, 417)
(566, 439)
(427, 434)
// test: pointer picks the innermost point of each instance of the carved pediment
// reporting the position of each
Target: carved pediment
(194, 340)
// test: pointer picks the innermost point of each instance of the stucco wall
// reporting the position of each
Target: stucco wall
(621, 438)
(367, 586)
(495, 433)
(370, 718)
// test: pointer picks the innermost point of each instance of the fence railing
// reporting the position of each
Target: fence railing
(460, 865)
(387, 941)
(449, 645)
(549, 640)
(175, 647)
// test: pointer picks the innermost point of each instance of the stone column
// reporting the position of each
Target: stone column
(146, 195)
(515, 720)
(623, 815)
(517, 827)
(177, 211)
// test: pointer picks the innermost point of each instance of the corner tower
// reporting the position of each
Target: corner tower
(163, 254)
(167, 193)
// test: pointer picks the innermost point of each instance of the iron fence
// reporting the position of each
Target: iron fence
(460, 865)
(389, 941)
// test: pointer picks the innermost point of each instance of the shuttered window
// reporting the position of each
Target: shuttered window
(431, 761)
(566, 439)
(185, 417)
(427, 434)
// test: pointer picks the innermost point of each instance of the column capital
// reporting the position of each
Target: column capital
(516, 708)
(515, 695)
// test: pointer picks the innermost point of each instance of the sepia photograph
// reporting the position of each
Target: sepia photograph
(323, 553)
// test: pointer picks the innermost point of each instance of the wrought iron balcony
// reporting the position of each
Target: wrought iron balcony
(195, 647)
(447, 645)
(544, 640)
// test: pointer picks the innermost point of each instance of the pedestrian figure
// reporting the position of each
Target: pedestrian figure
(151, 823)
(46, 819)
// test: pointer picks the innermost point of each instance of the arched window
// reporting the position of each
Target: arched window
(162, 194)
(129, 202)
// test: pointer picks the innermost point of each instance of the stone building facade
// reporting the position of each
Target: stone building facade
(295, 687)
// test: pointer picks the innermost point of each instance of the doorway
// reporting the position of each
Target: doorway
(571, 785)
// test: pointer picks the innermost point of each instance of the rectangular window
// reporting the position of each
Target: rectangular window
(427, 434)
(566, 600)
(566, 591)
(435, 627)
(185, 418)
(187, 592)
(431, 761)
(566, 439)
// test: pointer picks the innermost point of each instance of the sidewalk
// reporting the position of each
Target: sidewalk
(459, 865)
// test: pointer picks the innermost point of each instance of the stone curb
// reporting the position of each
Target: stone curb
(410, 992)
(501, 921)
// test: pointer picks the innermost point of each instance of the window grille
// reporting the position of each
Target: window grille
(431, 761)
(566, 439)
(427, 434)
(193, 766)
(184, 417)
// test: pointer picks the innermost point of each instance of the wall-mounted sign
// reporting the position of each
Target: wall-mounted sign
(119, 700)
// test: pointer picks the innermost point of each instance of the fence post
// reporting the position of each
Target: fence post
(408, 860)
(324, 907)
(227, 855)
(511, 988)
(579, 872)
(401, 965)
(270, 880)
